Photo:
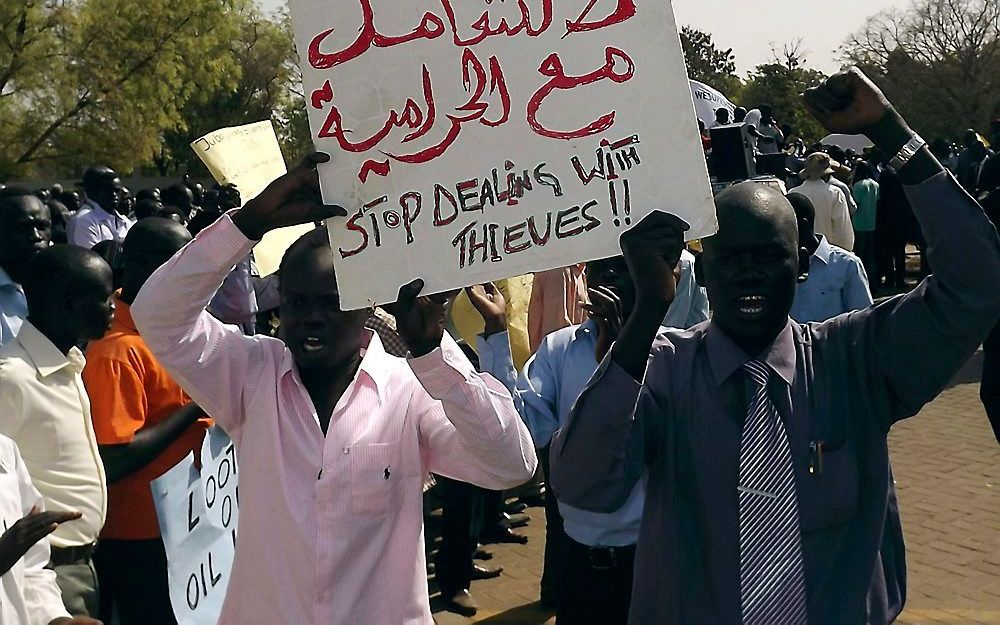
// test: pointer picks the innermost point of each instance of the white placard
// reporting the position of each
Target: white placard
(199, 514)
(482, 139)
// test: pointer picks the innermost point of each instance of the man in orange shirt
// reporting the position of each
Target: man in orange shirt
(144, 424)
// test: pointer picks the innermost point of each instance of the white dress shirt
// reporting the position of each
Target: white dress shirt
(331, 527)
(28, 591)
(13, 307)
(833, 218)
(92, 224)
(44, 408)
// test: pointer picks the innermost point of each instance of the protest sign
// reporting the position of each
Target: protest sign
(707, 101)
(198, 513)
(485, 139)
(249, 157)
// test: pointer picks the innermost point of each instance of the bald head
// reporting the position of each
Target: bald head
(150, 243)
(68, 289)
(750, 267)
(755, 202)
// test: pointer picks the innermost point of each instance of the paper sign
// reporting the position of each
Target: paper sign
(707, 101)
(249, 157)
(198, 514)
(482, 139)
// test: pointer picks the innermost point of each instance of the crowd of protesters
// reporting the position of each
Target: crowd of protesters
(705, 425)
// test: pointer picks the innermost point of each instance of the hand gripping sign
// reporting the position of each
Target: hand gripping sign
(480, 139)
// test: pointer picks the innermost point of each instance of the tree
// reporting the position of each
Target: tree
(708, 64)
(87, 81)
(266, 85)
(780, 83)
(938, 62)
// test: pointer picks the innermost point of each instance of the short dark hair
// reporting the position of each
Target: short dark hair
(55, 273)
(147, 208)
(10, 195)
(863, 171)
(177, 195)
(315, 239)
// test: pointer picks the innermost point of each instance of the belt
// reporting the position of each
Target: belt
(606, 558)
(63, 556)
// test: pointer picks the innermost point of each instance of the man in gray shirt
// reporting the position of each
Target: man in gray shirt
(765, 440)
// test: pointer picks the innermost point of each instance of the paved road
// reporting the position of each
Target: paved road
(947, 469)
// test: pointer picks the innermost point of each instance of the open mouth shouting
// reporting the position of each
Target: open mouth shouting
(313, 344)
(751, 305)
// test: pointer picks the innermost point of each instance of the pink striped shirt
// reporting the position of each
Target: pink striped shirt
(331, 529)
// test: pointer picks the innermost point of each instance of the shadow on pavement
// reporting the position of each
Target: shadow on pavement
(529, 614)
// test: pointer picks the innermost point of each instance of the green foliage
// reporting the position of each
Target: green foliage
(780, 84)
(938, 61)
(264, 87)
(708, 64)
(87, 81)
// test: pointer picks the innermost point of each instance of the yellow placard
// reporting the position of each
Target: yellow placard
(249, 157)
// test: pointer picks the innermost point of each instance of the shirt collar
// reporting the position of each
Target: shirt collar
(823, 250)
(45, 356)
(376, 363)
(95, 206)
(725, 357)
(587, 327)
(123, 313)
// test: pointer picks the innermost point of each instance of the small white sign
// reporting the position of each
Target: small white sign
(199, 513)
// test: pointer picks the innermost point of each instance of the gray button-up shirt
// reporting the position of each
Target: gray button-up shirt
(843, 382)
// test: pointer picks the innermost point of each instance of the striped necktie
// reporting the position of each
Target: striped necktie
(772, 587)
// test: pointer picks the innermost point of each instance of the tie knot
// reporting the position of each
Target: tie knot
(758, 371)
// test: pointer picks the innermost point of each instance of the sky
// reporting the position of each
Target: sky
(750, 27)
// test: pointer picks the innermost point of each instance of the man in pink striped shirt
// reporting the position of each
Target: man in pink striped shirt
(333, 435)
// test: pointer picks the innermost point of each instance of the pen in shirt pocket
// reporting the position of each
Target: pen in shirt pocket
(816, 457)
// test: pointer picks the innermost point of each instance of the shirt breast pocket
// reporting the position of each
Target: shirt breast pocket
(829, 495)
(376, 474)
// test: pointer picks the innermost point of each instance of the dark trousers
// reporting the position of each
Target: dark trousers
(461, 523)
(132, 576)
(554, 564)
(864, 247)
(989, 389)
(597, 585)
(891, 259)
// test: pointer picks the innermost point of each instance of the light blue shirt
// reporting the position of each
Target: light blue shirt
(13, 308)
(544, 393)
(690, 305)
(837, 284)
(552, 380)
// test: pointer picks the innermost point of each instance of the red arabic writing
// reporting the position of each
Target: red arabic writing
(489, 99)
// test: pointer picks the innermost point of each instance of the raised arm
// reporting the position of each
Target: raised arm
(472, 432)
(601, 451)
(921, 339)
(210, 360)
(534, 391)
(469, 428)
